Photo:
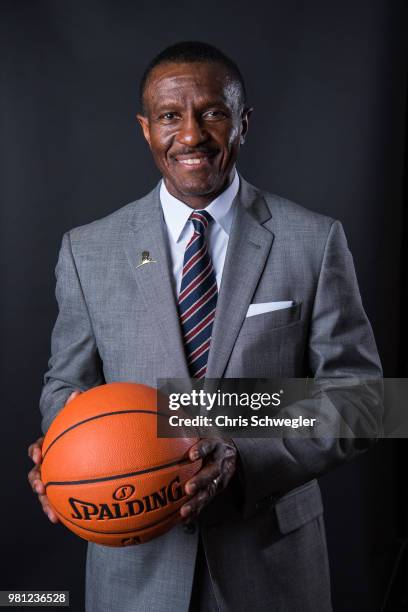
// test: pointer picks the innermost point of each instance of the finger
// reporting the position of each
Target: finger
(37, 455)
(35, 445)
(203, 478)
(33, 475)
(36, 483)
(229, 466)
(194, 505)
(39, 486)
(48, 509)
(225, 451)
(202, 449)
(73, 395)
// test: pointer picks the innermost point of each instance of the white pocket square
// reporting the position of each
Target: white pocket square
(256, 309)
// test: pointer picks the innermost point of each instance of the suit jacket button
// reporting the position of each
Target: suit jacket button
(189, 528)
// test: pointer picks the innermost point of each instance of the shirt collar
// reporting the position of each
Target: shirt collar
(176, 213)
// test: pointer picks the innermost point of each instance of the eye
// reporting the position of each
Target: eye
(215, 115)
(169, 116)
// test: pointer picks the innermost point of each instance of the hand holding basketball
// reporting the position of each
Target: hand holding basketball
(34, 475)
(219, 464)
(108, 475)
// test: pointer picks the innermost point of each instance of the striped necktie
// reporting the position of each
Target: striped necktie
(198, 296)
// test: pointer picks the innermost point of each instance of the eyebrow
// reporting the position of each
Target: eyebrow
(173, 102)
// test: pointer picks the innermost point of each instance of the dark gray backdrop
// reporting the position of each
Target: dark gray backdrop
(327, 81)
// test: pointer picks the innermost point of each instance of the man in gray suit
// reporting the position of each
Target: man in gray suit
(288, 305)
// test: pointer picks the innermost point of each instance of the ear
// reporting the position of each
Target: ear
(246, 113)
(144, 123)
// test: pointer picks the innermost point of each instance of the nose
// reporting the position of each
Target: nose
(191, 132)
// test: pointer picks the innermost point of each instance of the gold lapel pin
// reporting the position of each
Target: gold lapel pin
(146, 259)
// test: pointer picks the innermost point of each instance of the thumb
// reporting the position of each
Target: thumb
(73, 395)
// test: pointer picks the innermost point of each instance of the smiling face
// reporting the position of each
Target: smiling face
(194, 123)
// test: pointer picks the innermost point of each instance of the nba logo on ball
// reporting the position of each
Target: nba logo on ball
(110, 479)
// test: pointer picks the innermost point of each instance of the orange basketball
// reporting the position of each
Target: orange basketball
(110, 479)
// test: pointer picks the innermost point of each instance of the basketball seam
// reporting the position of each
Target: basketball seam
(155, 468)
(99, 416)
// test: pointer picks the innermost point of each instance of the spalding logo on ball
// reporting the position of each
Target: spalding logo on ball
(108, 476)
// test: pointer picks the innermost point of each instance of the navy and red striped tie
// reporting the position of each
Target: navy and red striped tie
(198, 296)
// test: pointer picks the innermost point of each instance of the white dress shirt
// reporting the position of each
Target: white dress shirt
(180, 229)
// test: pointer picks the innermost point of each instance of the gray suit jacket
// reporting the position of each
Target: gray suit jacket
(264, 536)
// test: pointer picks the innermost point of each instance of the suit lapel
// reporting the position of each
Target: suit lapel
(146, 232)
(248, 248)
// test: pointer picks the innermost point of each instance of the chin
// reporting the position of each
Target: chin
(197, 187)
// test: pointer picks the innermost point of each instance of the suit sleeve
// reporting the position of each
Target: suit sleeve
(75, 363)
(341, 344)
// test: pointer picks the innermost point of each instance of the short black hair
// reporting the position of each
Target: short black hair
(189, 52)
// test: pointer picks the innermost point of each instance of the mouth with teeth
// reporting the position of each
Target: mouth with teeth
(194, 161)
